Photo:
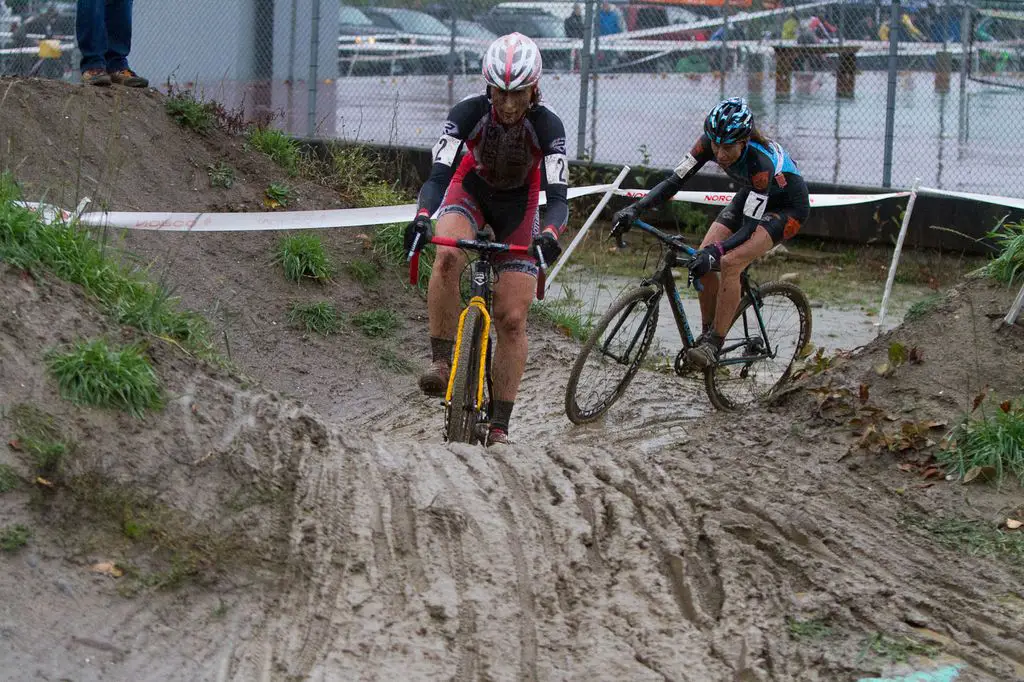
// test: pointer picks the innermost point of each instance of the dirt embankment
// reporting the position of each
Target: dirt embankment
(666, 542)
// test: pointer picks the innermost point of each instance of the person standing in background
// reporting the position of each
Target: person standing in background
(574, 23)
(104, 32)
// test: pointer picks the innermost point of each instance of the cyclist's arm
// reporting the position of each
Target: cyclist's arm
(457, 127)
(699, 155)
(761, 170)
(554, 170)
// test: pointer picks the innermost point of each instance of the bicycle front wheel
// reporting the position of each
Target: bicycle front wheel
(756, 360)
(462, 416)
(612, 355)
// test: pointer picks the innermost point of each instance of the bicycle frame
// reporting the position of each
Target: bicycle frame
(664, 280)
(481, 295)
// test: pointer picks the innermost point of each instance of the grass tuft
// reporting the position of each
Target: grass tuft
(972, 537)
(389, 242)
(898, 649)
(92, 373)
(363, 271)
(13, 538)
(191, 113)
(303, 257)
(391, 361)
(9, 479)
(379, 323)
(564, 318)
(221, 175)
(322, 318)
(923, 307)
(278, 145)
(276, 195)
(1009, 264)
(75, 255)
(993, 440)
(36, 434)
(813, 628)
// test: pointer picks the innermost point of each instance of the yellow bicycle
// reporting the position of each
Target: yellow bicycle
(467, 400)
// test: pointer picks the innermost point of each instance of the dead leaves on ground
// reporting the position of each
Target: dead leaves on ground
(898, 356)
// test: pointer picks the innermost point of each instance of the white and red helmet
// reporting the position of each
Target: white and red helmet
(512, 62)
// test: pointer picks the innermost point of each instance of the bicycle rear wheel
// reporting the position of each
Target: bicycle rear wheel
(786, 315)
(461, 416)
(612, 355)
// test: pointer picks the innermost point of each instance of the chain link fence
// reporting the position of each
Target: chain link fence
(861, 92)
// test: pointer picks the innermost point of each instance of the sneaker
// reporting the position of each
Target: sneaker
(96, 77)
(703, 355)
(496, 436)
(435, 381)
(128, 79)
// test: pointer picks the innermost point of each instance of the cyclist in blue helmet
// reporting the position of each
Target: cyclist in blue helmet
(770, 207)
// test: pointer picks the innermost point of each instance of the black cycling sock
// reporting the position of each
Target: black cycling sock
(502, 413)
(715, 339)
(441, 349)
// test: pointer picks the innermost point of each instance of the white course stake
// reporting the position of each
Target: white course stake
(586, 226)
(1011, 317)
(896, 256)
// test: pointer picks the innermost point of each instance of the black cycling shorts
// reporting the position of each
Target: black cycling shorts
(783, 217)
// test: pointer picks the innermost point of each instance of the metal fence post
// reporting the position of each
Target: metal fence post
(581, 129)
(595, 69)
(314, 55)
(890, 102)
(965, 57)
(451, 58)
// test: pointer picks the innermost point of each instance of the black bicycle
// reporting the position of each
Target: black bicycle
(771, 329)
(467, 401)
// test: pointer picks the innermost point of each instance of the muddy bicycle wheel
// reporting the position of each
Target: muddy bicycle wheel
(786, 314)
(612, 355)
(462, 415)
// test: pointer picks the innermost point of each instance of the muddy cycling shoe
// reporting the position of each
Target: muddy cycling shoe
(496, 436)
(434, 382)
(705, 354)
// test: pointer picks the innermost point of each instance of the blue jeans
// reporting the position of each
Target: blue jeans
(104, 29)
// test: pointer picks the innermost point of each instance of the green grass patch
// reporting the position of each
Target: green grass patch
(923, 307)
(221, 175)
(303, 257)
(191, 113)
(278, 145)
(277, 194)
(565, 318)
(363, 271)
(9, 479)
(77, 256)
(972, 537)
(321, 318)
(379, 323)
(36, 435)
(897, 649)
(93, 373)
(1008, 266)
(388, 359)
(809, 629)
(13, 538)
(991, 443)
(380, 194)
(358, 175)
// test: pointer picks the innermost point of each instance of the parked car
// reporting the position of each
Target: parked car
(360, 31)
(534, 21)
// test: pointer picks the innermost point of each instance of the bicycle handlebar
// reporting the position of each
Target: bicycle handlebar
(667, 239)
(473, 245)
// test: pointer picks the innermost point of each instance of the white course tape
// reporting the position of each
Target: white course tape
(987, 198)
(270, 220)
(723, 198)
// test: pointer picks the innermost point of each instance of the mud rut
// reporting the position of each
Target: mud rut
(628, 550)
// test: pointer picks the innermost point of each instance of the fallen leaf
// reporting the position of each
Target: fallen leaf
(1014, 524)
(270, 203)
(986, 473)
(897, 354)
(977, 401)
(42, 481)
(906, 466)
(107, 568)
(14, 444)
(863, 393)
(883, 369)
(915, 356)
(1005, 406)
(931, 472)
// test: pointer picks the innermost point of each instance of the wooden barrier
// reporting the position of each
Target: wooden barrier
(786, 57)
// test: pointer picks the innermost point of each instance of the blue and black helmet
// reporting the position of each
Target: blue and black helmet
(730, 121)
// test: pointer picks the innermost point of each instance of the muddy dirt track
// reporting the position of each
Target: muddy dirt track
(666, 542)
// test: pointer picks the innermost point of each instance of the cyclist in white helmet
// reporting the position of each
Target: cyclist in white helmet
(513, 141)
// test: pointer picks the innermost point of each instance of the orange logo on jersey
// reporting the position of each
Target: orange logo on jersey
(760, 181)
(780, 180)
